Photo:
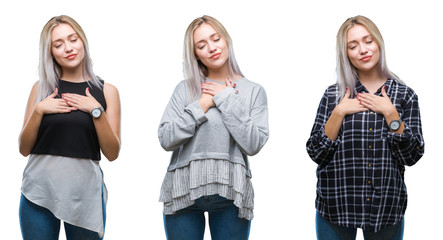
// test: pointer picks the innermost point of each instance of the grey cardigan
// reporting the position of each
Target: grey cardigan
(235, 128)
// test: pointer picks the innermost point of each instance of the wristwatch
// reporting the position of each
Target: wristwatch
(97, 112)
(395, 125)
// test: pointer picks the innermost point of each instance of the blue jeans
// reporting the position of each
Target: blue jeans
(329, 231)
(224, 223)
(38, 223)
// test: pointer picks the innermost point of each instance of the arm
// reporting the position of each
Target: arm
(408, 147)
(248, 125)
(406, 143)
(108, 124)
(34, 114)
(323, 142)
(319, 146)
(180, 121)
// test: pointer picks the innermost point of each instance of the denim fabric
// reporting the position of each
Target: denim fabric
(329, 231)
(224, 223)
(38, 223)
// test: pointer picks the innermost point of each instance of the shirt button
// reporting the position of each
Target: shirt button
(369, 182)
(371, 112)
(369, 165)
(368, 199)
(370, 129)
(370, 146)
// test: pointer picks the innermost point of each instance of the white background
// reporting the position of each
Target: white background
(286, 46)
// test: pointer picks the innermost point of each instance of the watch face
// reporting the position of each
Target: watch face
(96, 112)
(395, 125)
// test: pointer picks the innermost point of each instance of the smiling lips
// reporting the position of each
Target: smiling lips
(71, 57)
(365, 59)
(215, 56)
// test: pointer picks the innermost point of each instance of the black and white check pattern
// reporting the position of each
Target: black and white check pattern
(361, 174)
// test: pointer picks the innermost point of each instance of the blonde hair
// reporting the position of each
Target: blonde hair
(195, 71)
(49, 70)
(347, 74)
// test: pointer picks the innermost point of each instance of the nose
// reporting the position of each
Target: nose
(68, 47)
(363, 49)
(211, 47)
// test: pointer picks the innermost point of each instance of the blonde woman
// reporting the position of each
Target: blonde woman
(71, 115)
(366, 131)
(214, 120)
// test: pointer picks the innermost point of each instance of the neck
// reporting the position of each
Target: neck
(73, 75)
(372, 80)
(221, 74)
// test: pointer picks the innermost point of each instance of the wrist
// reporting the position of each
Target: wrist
(339, 112)
(391, 113)
(37, 109)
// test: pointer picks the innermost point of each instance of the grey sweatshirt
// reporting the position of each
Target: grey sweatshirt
(235, 128)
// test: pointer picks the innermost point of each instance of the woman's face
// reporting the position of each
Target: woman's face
(67, 48)
(363, 51)
(210, 47)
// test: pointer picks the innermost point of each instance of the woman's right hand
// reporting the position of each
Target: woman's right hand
(349, 105)
(346, 107)
(52, 105)
(34, 114)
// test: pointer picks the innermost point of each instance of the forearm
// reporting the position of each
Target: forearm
(108, 139)
(333, 125)
(248, 127)
(175, 130)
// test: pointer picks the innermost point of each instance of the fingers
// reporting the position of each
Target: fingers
(54, 94)
(383, 92)
(228, 82)
(87, 92)
(348, 93)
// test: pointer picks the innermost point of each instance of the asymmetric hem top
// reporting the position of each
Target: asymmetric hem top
(63, 172)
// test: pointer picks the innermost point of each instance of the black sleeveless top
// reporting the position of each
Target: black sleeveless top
(70, 134)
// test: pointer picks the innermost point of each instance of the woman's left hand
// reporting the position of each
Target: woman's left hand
(379, 104)
(213, 88)
(83, 103)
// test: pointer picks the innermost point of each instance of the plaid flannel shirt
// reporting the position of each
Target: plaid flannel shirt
(361, 174)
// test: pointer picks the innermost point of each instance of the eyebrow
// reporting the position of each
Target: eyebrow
(70, 35)
(212, 35)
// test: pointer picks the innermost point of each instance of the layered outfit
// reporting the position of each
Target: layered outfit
(63, 174)
(210, 150)
(361, 173)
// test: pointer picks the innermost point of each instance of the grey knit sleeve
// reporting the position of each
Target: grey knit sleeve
(179, 121)
(245, 114)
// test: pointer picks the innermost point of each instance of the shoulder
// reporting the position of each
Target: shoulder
(252, 86)
(250, 83)
(182, 88)
(332, 89)
(110, 91)
(332, 92)
(34, 91)
(402, 89)
(109, 87)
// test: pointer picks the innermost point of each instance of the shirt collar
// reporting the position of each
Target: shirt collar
(359, 88)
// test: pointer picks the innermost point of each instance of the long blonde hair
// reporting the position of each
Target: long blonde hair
(347, 74)
(49, 70)
(194, 71)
